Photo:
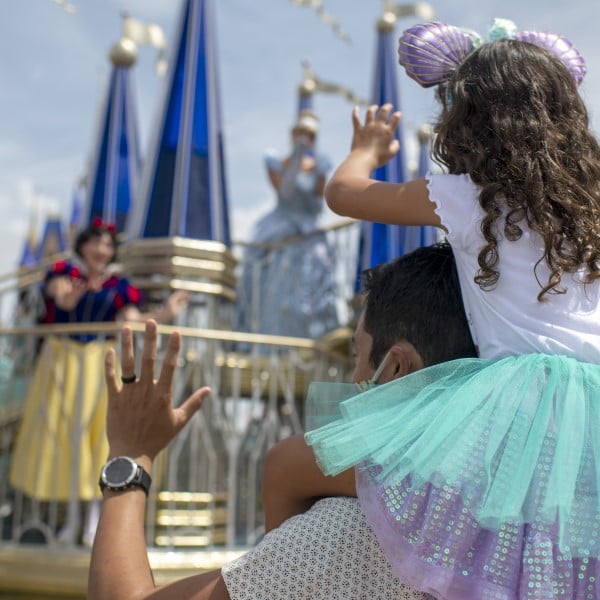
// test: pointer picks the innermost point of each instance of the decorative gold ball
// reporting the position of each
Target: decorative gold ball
(308, 87)
(123, 53)
(425, 133)
(387, 23)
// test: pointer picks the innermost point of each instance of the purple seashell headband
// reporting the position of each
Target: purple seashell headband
(430, 52)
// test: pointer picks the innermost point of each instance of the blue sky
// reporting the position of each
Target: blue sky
(55, 69)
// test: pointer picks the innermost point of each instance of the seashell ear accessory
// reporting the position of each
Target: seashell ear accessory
(430, 52)
(561, 47)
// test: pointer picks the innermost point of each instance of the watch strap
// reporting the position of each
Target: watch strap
(143, 479)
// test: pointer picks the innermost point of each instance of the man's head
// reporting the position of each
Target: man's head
(413, 310)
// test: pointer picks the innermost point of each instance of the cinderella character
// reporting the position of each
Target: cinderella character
(287, 283)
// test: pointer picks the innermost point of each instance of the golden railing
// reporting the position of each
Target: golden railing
(205, 502)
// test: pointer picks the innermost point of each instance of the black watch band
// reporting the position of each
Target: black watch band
(123, 473)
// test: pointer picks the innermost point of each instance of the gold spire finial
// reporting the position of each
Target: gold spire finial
(150, 34)
(392, 12)
(425, 133)
(123, 53)
(312, 84)
(325, 17)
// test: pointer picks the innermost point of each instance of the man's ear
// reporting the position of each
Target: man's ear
(404, 359)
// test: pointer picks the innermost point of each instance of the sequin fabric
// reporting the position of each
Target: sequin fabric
(438, 546)
(328, 553)
(480, 478)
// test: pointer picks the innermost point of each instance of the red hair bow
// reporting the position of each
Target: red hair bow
(98, 223)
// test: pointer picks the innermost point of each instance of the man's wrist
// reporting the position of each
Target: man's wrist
(124, 473)
(143, 460)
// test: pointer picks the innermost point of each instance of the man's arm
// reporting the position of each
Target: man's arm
(141, 421)
(119, 566)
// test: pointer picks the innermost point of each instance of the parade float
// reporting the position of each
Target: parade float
(171, 211)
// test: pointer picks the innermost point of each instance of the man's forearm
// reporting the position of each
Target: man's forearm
(119, 566)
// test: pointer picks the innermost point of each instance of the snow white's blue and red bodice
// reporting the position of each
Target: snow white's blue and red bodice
(99, 306)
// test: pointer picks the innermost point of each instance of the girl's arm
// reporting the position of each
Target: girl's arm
(351, 191)
(292, 481)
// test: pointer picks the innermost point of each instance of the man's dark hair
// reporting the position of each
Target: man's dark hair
(417, 298)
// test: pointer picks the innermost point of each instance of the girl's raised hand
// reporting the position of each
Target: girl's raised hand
(377, 135)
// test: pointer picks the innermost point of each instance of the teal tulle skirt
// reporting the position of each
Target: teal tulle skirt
(480, 478)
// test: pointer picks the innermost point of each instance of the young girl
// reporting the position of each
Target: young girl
(486, 483)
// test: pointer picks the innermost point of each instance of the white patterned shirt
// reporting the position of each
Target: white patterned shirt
(327, 553)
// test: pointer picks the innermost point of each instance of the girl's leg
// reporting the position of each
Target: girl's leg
(292, 481)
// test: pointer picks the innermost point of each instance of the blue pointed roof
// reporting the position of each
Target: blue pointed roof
(29, 256)
(30, 246)
(380, 243)
(305, 100)
(184, 190)
(116, 162)
(53, 239)
(77, 205)
(306, 89)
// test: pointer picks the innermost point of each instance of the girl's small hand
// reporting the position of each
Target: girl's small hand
(376, 136)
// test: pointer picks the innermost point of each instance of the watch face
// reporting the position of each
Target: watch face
(119, 472)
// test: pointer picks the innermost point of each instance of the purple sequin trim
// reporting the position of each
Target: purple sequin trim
(434, 544)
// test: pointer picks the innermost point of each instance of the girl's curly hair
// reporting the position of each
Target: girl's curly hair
(513, 120)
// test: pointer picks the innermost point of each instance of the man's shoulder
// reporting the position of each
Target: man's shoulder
(327, 553)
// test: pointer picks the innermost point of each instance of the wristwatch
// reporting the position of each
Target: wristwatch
(122, 473)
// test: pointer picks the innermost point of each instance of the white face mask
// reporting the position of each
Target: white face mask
(367, 384)
(324, 398)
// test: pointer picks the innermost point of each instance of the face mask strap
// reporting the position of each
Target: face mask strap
(363, 386)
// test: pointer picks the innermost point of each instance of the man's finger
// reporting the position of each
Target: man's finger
(149, 353)
(191, 406)
(110, 373)
(169, 364)
(127, 357)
